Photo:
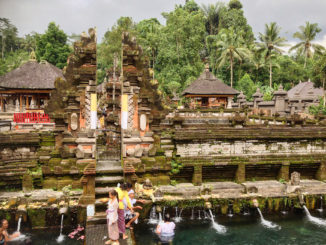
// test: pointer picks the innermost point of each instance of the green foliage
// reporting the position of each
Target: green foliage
(13, 60)
(52, 46)
(233, 16)
(282, 181)
(230, 48)
(247, 86)
(307, 34)
(175, 167)
(178, 57)
(319, 109)
(110, 47)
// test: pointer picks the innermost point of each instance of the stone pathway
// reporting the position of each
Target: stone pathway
(96, 233)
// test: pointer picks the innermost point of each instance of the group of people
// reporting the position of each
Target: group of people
(121, 208)
(4, 236)
(121, 214)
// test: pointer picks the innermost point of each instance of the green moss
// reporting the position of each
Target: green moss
(37, 217)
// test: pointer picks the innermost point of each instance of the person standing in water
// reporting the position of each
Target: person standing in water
(4, 223)
(165, 230)
(3, 235)
(112, 218)
(123, 194)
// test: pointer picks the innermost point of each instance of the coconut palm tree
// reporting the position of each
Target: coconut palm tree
(270, 42)
(212, 15)
(307, 34)
(230, 47)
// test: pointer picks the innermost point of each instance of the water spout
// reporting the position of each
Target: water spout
(199, 214)
(163, 212)
(266, 223)
(312, 219)
(21, 237)
(321, 205)
(219, 228)
(61, 237)
(178, 217)
(153, 217)
(230, 211)
(63, 210)
(192, 214)
(19, 223)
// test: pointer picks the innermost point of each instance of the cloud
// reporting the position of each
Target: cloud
(75, 16)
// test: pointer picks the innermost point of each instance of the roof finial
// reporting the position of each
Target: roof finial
(207, 71)
(32, 56)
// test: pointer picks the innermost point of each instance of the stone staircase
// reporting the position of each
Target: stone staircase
(108, 174)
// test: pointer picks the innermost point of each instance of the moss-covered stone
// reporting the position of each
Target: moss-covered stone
(37, 217)
(53, 162)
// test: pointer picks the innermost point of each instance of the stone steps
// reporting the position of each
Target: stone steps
(108, 180)
(109, 167)
(103, 190)
(98, 218)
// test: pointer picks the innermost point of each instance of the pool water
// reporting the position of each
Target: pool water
(46, 237)
(293, 229)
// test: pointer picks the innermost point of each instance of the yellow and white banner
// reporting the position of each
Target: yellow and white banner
(124, 111)
(93, 111)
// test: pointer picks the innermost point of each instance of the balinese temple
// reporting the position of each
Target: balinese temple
(209, 92)
(28, 88)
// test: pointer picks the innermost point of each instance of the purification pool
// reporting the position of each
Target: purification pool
(46, 237)
(242, 229)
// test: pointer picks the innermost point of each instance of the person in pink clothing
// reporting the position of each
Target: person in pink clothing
(112, 218)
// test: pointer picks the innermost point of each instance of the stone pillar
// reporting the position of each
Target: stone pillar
(284, 171)
(321, 173)
(27, 183)
(197, 177)
(33, 102)
(17, 107)
(229, 106)
(240, 175)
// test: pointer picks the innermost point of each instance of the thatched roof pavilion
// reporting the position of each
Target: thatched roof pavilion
(28, 87)
(208, 91)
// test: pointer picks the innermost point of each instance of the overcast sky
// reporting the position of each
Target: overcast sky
(75, 16)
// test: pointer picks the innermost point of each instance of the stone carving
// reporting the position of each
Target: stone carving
(295, 178)
(74, 121)
(143, 122)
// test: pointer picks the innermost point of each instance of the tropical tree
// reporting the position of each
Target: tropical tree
(8, 35)
(270, 43)
(230, 47)
(181, 41)
(211, 13)
(148, 32)
(52, 46)
(307, 34)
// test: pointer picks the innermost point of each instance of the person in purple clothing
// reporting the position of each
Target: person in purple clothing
(165, 230)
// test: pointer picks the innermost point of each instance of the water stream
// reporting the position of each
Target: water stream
(321, 205)
(192, 214)
(266, 223)
(178, 217)
(153, 217)
(312, 219)
(199, 214)
(219, 228)
(21, 237)
(61, 237)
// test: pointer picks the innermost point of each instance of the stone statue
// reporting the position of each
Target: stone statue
(295, 178)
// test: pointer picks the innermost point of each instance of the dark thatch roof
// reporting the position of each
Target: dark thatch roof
(208, 84)
(31, 75)
(305, 91)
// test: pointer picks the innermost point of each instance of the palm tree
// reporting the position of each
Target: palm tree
(230, 47)
(212, 15)
(271, 43)
(307, 34)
